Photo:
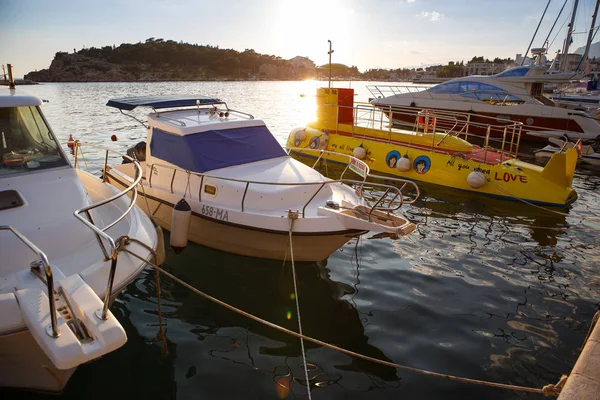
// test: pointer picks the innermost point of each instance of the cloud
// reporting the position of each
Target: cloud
(432, 16)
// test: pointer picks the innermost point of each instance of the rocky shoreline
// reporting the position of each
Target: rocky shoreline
(81, 68)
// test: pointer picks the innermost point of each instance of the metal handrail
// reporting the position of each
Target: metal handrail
(368, 174)
(446, 123)
(321, 184)
(49, 277)
(101, 233)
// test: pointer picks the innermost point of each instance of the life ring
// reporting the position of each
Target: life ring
(426, 115)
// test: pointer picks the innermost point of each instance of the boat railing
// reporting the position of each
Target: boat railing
(497, 134)
(52, 330)
(382, 91)
(395, 202)
(361, 168)
(84, 214)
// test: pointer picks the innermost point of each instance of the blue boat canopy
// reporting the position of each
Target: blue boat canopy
(215, 149)
(158, 102)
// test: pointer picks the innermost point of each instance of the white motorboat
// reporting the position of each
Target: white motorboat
(587, 153)
(514, 95)
(246, 194)
(64, 242)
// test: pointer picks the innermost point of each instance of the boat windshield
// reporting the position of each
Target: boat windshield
(479, 91)
(26, 143)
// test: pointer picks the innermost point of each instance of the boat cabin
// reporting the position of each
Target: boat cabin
(205, 138)
(26, 142)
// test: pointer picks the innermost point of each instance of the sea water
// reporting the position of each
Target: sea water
(486, 289)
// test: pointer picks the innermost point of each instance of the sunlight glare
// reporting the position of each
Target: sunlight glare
(302, 28)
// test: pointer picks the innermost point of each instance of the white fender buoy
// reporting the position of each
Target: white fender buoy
(359, 152)
(403, 164)
(160, 247)
(300, 135)
(476, 179)
(180, 225)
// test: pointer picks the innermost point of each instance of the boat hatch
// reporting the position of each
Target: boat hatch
(10, 199)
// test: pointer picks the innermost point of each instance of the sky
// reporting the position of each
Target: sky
(369, 34)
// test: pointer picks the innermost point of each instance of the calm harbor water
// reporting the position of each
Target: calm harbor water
(485, 289)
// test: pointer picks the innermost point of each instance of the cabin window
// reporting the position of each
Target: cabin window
(446, 88)
(519, 71)
(500, 98)
(26, 143)
(479, 91)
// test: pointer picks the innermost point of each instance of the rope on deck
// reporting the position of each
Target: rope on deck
(547, 390)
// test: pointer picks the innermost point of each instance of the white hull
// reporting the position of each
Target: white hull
(24, 365)
(76, 259)
(243, 240)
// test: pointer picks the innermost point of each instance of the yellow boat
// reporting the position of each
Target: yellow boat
(435, 150)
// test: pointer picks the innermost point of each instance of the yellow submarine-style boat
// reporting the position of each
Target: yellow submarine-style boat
(435, 151)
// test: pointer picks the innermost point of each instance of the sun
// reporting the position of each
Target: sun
(302, 28)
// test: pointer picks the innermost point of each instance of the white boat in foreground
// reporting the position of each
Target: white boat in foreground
(63, 236)
(245, 193)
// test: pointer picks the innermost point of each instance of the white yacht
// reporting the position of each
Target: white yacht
(514, 95)
(69, 243)
(246, 195)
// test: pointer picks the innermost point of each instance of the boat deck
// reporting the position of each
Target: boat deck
(491, 156)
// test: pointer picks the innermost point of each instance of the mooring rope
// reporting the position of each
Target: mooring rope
(293, 216)
(548, 390)
(543, 208)
(491, 221)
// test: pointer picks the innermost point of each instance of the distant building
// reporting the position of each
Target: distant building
(519, 59)
(573, 61)
(484, 68)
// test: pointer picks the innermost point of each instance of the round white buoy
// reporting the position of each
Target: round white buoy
(360, 152)
(403, 164)
(300, 135)
(180, 225)
(476, 179)
(160, 248)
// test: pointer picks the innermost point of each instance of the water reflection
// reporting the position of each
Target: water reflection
(265, 288)
(485, 288)
(545, 225)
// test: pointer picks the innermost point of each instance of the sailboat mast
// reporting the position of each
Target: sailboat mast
(590, 34)
(563, 64)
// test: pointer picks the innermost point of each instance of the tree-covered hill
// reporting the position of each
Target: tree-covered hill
(158, 59)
